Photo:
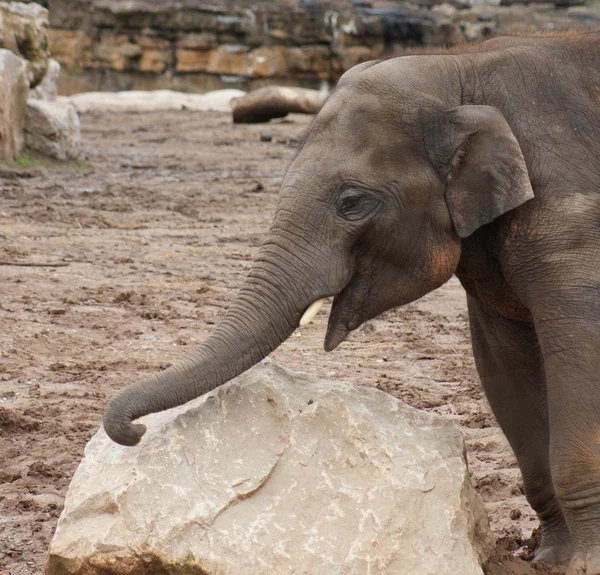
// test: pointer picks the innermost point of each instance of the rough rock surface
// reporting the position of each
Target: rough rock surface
(53, 129)
(47, 89)
(24, 31)
(201, 46)
(13, 96)
(276, 472)
(198, 46)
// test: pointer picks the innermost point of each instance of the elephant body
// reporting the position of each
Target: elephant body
(484, 162)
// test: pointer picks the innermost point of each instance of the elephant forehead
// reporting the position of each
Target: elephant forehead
(331, 164)
(360, 135)
(319, 172)
(347, 112)
(368, 147)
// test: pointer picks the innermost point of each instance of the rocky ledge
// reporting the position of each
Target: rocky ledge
(193, 45)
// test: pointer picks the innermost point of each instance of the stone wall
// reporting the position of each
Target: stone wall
(194, 45)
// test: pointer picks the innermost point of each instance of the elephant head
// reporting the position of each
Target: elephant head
(393, 172)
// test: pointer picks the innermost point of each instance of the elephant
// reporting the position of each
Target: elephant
(480, 161)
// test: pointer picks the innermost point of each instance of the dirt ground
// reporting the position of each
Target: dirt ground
(146, 241)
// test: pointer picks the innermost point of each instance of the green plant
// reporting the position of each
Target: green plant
(30, 159)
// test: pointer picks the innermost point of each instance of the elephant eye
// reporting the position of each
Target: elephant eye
(355, 204)
(349, 205)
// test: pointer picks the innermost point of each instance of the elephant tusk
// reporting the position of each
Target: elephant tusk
(311, 311)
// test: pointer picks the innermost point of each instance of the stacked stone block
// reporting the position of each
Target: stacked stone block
(108, 44)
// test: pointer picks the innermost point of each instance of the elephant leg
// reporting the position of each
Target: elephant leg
(510, 366)
(569, 338)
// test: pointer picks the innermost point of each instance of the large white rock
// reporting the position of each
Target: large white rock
(53, 129)
(14, 87)
(273, 474)
(154, 101)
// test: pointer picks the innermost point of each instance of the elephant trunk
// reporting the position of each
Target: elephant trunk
(266, 312)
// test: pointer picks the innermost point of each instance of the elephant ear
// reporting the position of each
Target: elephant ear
(486, 171)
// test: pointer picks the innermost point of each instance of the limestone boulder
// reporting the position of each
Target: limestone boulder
(24, 31)
(14, 88)
(47, 89)
(53, 129)
(276, 472)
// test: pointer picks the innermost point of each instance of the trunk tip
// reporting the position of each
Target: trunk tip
(119, 427)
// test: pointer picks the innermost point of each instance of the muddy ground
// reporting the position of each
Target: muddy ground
(146, 241)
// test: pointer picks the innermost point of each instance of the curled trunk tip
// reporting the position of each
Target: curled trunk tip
(118, 424)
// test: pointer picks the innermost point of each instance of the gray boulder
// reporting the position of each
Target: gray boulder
(53, 129)
(276, 473)
(14, 88)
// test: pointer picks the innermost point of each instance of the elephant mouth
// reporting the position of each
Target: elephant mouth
(347, 312)
(339, 326)
(336, 333)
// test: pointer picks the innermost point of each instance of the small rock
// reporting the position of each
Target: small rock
(277, 472)
(515, 514)
(444, 9)
(474, 31)
(53, 129)
(57, 311)
(265, 137)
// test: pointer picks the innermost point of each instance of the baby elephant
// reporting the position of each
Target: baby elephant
(482, 162)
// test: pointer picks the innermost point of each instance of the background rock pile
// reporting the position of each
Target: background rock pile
(29, 111)
(201, 46)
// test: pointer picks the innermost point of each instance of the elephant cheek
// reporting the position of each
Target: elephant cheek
(392, 285)
(388, 285)
(442, 263)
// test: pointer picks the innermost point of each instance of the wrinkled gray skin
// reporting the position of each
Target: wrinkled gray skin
(483, 163)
